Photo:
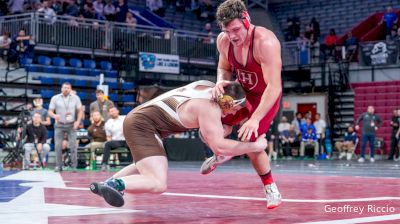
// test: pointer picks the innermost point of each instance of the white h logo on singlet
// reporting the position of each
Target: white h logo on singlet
(248, 79)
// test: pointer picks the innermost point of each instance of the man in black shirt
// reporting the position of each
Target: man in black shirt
(36, 135)
(395, 127)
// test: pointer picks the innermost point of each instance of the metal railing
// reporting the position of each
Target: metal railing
(82, 33)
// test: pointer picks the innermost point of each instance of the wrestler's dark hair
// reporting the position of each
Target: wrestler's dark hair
(230, 10)
(235, 90)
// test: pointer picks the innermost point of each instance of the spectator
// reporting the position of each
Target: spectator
(396, 153)
(351, 45)
(97, 133)
(370, 124)
(284, 125)
(36, 136)
(320, 126)
(38, 108)
(308, 32)
(207, 11)
(3, 8)
(308, 124)
(98, 6)
(66, 109)
(330, 43)
(57, 7)
(16, 6)
(288, 140)
(115, 136)
(72, 8)
(395, 128)
(390, 19)
(102, 104)
(5, 42)
(348, 145)
(210, 37)
(21, 47)
(121, 11)
(309, 138)
(315, 30)
(109, 11)
(298, 122)
(88, 11)
(393, 35)
(49, 14)
(131, 21)
(156, 6)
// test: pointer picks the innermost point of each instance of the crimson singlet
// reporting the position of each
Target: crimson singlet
(251, 78)
(249, 75)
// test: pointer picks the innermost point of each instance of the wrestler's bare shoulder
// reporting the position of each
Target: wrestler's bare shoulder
(264, 34)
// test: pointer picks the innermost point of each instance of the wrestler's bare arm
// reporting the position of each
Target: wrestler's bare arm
(224, 68)
(213, 133)
(268, 53)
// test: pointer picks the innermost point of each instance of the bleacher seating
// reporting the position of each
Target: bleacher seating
(341, 15)
(182, 20)
(385, 97)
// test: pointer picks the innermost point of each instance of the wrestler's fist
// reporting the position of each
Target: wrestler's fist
(261, 143)
(219, 88)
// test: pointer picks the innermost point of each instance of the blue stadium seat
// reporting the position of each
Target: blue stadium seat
(92, 83)
(113, 85)
(113, 97)
(26, 62)
(125, 110)
(128, 85)
(128, 98)
(44, 60)
(82, 72)
(58, 61)
(49, 69)
(46, 80)
(111, 74)
(94, 72)
(80, 83)
(105, 65)
(46, 94)
(82, 95)
(32, 68)
(87, 63)
(76, 63)
(63, 70)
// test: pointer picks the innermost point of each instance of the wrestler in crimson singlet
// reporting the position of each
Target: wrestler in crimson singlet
(250, 76)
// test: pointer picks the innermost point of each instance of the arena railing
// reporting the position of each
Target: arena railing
(81, 33)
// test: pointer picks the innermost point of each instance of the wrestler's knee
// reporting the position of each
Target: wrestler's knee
(254, 155)
(159, 187)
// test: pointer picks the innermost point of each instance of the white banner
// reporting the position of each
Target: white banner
(163, 63)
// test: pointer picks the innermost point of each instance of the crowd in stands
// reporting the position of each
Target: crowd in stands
(326, 48)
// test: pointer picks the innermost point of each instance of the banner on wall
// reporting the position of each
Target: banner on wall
(163, 63)
(379, 53)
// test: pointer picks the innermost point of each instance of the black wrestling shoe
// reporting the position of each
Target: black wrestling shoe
(112, 196)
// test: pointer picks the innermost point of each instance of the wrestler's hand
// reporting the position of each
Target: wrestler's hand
(248, 128)
(261, 143)
(219, 88)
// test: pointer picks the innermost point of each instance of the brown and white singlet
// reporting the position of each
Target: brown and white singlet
(145, 125)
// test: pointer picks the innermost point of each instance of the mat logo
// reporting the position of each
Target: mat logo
(248, 79)
(148, 60)
(379, 54)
